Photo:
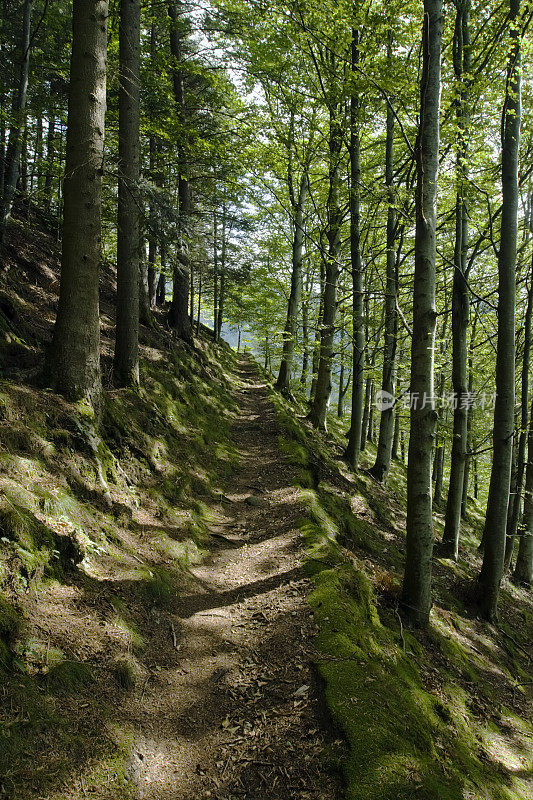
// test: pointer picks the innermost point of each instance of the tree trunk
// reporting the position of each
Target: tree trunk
(75, 353)
(126, 362)
(179, 310)
(523, 573)
(283, 383)
(416, 593)
(497, 505)
(305, 337)
(319, 409)
(438, 472)
(152, 235)
(353, 448)
(382, 464)
(515, 504)
(460, 295)
(470, 417)
(318, 333)
(11, 169)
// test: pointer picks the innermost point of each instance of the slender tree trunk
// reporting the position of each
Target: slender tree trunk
(470, 417)
(515, 504)
(222, 287)
(215, 276)
(460, 296)
(36, 170)
(523, 572)
(353, 448)
(50, 158)
(382, 464)
(438, 472)
(318, 333)
(162, 282)
(498, 500)
(416, 593)
(75, 352)
(179, 310)
(305, 337)
(11, 169)
(283, 383)
(319, 409)
(126, 362)
(152, 236)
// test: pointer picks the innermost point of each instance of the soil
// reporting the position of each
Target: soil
(231, 707)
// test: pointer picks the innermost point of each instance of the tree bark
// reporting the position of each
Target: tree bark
(353, 448)
(460, 294)
(283, 382)
(75, 353)
(382, 464)
(319, 409)
(179, 311)
(126, 361)
(416, 591)
(515, 504)
(523, 572)
(498, 500)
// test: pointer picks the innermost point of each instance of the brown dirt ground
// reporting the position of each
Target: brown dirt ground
(230, 706)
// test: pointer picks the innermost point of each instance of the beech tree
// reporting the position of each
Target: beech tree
(416, 591)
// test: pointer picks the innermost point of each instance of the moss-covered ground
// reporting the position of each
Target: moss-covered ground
(441, 714)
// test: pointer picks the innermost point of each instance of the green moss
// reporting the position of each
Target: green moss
(126, 672)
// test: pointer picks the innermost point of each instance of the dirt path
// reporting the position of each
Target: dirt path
(232, 708)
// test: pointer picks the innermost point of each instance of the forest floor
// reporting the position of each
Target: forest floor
(231, 706)
(198, 599)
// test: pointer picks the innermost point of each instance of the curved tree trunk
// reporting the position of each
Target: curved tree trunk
(498, 500)
(416, 592)
(75, 353)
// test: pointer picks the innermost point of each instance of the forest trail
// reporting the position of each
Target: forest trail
(231, 707)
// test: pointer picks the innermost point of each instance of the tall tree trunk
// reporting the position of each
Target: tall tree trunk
(152, 235)
(470, 417)
(416, 592)
(305, 336)
(222, 287)
(460, 295)
(126, 362)
(515, 504)
(75, 353)
(50, 158)
(215, 276)
(11, 169)
(162, 282)
(318, 333)
(523, 572)
(353, 448)
(179, 310)
(318, 412)
(498, 500)
(382, 464)
(283, 383)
